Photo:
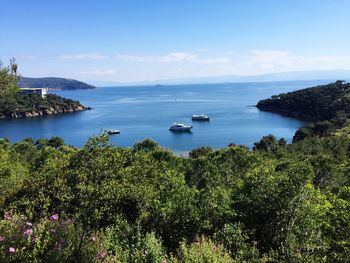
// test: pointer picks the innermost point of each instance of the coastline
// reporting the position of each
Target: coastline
(43, 113)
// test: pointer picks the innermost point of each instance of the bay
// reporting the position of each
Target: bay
(148, 111)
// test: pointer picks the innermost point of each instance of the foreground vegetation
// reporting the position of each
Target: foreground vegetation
(277, 203)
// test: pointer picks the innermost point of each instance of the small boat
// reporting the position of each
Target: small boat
(112, 131)
(180, 127)
(200, 117)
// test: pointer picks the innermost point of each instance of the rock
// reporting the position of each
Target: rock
(44, 112)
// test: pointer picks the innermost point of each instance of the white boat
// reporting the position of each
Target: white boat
(200, 117)
(112, 131)
(180, 127)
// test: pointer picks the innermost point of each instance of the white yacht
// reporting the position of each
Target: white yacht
(112, 131)
(180, 127)
(200, 117)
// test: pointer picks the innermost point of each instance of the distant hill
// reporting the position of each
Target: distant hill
(53, 83)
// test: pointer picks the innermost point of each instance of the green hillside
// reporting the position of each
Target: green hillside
(319, 103)
(53, 83)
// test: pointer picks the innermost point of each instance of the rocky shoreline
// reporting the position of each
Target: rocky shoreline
(43, 112)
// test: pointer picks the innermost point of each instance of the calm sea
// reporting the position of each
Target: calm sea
(148, 111)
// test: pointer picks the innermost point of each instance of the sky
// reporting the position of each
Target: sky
(137, 40)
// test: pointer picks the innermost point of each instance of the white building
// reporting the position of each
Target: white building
(41, 91)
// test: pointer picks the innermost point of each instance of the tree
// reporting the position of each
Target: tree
(267, 143)
(55, 142)
(8, 82)
(13, 66)
(200, 152)
(146, 145)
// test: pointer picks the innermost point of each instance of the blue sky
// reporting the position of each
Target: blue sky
(134, 40)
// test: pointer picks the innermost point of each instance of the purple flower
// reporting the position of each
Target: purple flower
(102, 254)
(93, 238)
(29, 224)
(28, 232)
(54, 217)
(12, 250)
(1, 238)
(8, 216)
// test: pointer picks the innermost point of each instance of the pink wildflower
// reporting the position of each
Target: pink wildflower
(12, 250)
(54, 217)
(93, 238)
(163, 260)
(8, 216)
(102, 254)
(1, 238)
(28, 232)
(29, 224)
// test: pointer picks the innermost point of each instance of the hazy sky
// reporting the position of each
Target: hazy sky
(134, 40)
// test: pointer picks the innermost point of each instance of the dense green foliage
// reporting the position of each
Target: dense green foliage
(312, 104)
(277, 203)
(53, 83)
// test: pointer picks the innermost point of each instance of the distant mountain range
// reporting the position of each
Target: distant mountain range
(70, 84)
(53, 83)
(338, 74)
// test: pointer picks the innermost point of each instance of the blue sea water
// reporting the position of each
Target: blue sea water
(148, 111)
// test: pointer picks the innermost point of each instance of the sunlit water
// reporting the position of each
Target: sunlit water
(148, 111)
